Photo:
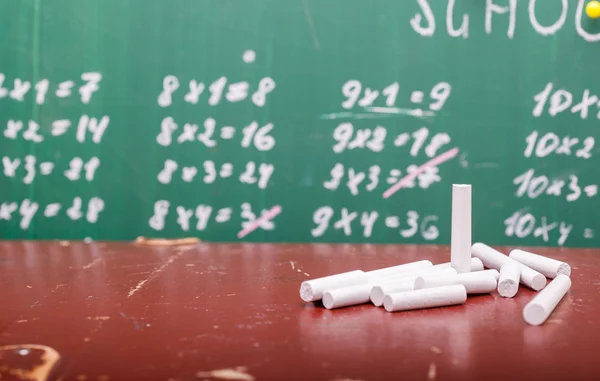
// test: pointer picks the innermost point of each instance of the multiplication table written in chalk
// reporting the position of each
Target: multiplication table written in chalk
(301, 123)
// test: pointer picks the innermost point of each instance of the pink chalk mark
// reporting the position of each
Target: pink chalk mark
(431, 163)
(274, 211)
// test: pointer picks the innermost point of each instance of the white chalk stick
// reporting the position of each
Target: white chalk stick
(510, 276)
(493, 272)
(425, 298)
(400, 269)
(312, 290)
(379, 292)
(539, 308)
(479, 282)
(337, 297)
(400, 276)
(401, 284)
(494, 259)
(476, 265)
(460, 242)
(347, 296)
(551, 268)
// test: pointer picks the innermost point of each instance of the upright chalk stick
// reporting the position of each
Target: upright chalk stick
(476, 265)
(460, 243)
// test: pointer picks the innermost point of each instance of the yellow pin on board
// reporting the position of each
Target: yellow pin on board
(593, 9)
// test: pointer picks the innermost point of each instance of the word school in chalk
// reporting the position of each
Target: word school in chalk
(426, 21)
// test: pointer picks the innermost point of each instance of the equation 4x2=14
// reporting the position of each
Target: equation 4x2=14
(31, 132)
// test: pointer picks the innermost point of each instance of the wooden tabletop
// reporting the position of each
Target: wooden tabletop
(120, 311)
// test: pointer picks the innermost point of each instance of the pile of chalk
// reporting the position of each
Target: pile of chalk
(422, 284)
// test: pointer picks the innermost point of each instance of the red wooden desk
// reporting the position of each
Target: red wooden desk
(210, 312)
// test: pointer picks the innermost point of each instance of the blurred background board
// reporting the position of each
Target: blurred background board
(123, 118)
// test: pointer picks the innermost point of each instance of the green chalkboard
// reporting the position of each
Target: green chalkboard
(127, 118)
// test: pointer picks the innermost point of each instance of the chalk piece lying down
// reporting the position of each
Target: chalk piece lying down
(425, 298)
(479, 282)
(359, 294)
(551, 268)
(347, 296)
(406, 283)
(312, 290)
(494, 259)
(400, 269)
(510, 276)
(539, 308)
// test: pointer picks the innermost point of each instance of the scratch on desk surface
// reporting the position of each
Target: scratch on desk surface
(192, 241)
(19, 361)
(98, 317)
(153, 274)
(431, 374)
(92, 263)
(239, 373)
